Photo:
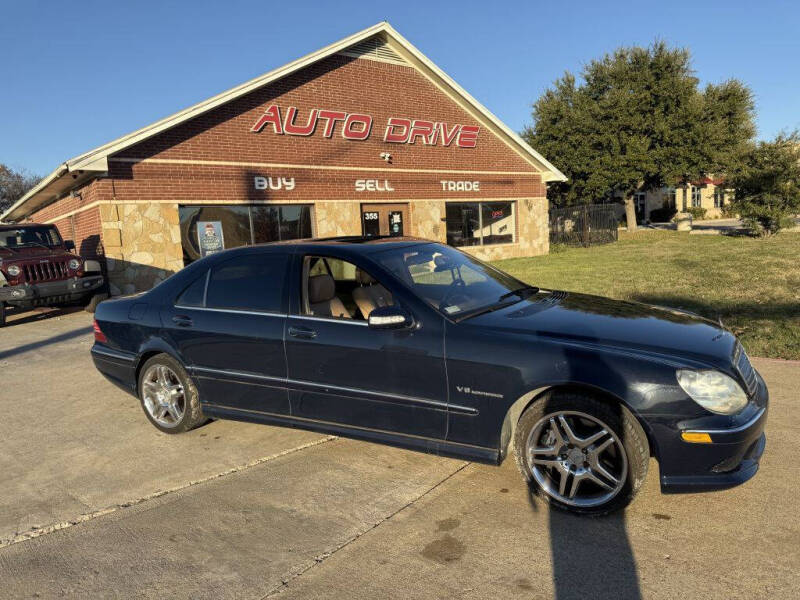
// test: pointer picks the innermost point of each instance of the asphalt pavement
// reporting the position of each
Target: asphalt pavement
(95, 502)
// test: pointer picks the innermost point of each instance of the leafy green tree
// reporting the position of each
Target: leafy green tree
(767, 185)
(636, 121)
(13, 185)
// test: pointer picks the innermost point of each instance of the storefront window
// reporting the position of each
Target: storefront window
(497, 220)
(480, 223)
(222, 227)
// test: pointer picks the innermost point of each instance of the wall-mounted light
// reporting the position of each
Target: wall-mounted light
(386, 156)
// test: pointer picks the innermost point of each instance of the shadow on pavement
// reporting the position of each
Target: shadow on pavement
(46, 342)
(20, 317)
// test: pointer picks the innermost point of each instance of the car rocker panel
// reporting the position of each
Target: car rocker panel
(415, 344)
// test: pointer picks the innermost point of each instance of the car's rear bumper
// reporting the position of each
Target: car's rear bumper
(730, 459)
(67, 289)
(117, 366)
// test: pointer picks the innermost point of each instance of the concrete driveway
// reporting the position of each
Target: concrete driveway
(94, 502)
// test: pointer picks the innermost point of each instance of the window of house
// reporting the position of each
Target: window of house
(242, 225)
(252, 282)
(672, 198)
(684, 199)
(696, 198)
(719, 197)
(480, 223)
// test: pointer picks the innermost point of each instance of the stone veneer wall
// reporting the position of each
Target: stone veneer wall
(337, 218)
(142, 244)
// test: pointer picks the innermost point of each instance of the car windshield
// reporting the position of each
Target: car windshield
(454, 283)
(29, 236)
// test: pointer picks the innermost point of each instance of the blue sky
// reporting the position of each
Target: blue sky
(78, 74)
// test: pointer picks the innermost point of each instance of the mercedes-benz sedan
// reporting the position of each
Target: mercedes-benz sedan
(416, 344)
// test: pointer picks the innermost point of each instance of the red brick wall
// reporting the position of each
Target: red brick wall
(82, 227)
(375, 88)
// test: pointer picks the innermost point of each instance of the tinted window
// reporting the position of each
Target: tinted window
(253, 282)
(463, 224)
(205, 229)
(194, 294)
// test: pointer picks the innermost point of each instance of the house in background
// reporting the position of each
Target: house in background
(708, 193)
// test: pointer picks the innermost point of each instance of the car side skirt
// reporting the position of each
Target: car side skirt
(409, 442)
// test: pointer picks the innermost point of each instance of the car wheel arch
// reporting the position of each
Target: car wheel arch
(519, 406)
(146, 354)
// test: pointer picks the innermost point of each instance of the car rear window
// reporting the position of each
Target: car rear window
(251, 282)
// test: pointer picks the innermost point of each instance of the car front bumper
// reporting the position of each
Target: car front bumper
(730, 459)
(38, 293)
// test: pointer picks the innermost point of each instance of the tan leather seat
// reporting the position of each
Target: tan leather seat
(370, 294)
(322, 298)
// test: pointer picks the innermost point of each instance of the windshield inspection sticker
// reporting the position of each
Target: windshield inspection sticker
(469, 390)
(452, 309)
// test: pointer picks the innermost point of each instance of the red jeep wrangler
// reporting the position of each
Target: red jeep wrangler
(37, 269)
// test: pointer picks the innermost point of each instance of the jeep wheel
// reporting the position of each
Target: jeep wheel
(169, 397)
(95, 300)
(581, 454)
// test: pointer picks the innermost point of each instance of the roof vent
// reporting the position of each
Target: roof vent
(374, 48)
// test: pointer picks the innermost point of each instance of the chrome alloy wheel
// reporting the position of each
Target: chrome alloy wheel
(576, 458)
(163, 395)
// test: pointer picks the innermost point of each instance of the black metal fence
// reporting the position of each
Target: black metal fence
(584, 225)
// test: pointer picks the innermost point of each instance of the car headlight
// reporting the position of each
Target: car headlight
(74, 264)
(13, 270)
(713, 390)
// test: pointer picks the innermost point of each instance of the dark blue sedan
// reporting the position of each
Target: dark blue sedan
(416, 344)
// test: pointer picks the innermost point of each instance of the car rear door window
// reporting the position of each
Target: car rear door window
(252, 282)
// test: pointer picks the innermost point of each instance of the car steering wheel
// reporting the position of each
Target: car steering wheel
(451, 289)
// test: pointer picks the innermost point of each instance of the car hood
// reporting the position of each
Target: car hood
(33, 253)
(581, 318)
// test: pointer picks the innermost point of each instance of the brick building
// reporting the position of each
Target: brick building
(363, 136)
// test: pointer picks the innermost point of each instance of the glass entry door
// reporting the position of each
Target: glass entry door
(385, 219)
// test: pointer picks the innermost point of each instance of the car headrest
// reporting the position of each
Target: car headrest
(364, 278)
(321, 288)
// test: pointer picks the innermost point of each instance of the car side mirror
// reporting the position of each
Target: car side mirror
(389, 317)
(69, 244)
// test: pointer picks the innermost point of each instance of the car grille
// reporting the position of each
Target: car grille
(46, 271)
(746, 370)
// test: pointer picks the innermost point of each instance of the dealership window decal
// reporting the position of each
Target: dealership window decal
(355, 126)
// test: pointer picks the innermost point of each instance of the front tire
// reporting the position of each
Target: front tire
(581, 454)
(168, 396)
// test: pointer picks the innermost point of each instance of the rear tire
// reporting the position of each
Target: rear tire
(168, 395)
(95, 300)
(2, 314)
(602, 451)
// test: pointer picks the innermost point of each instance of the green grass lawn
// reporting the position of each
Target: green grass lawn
(753, 284)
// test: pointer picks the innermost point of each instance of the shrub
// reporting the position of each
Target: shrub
(662, 215)
(729, 211)
(768, 185)
(697, 212)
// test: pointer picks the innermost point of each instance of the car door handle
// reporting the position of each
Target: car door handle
(302, 332)
(182, 321)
